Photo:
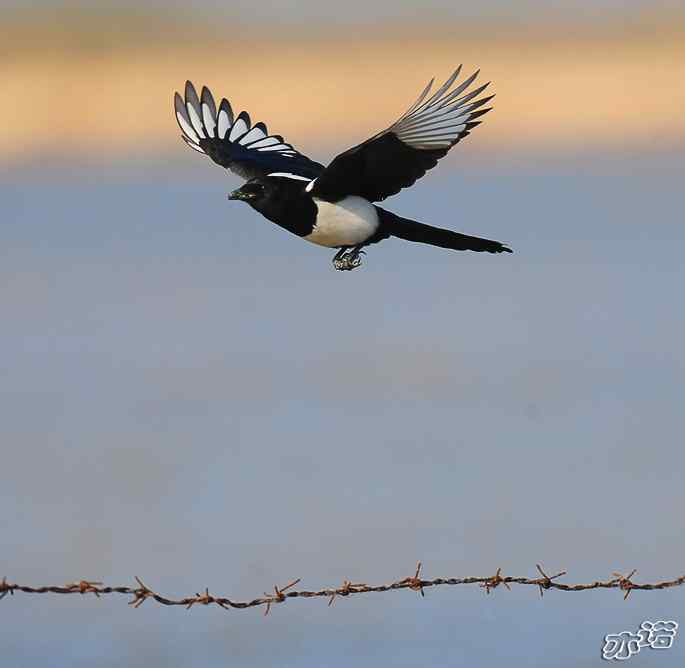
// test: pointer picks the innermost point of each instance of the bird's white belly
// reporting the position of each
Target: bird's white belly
(349, 222)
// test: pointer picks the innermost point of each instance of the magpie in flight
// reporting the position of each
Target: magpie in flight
(333, 206)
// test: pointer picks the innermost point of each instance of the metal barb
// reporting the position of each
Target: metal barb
(545, 581)
(415, 582)
(346, 589)
(495, 581)
(5, 588)
(86, 587)
(624, 582)
(141, 594)
(279, 596)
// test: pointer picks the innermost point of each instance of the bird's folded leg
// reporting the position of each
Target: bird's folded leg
(347, 259)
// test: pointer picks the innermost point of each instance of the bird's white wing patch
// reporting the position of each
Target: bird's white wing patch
(288, 175)
(240, 127)
(194, 113)
(189, 133)
(225, 119)
(198, 119)
(263, 143)
(208, 112)
(254, 135)
(442, 119)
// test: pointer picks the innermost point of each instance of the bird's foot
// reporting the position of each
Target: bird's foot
(347, 263)
(346, 260)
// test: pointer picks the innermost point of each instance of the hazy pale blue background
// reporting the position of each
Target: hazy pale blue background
(195, 397)
(191, 395)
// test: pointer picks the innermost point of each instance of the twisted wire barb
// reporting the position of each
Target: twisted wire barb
(142, 592)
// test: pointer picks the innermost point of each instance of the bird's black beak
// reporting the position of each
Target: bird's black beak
(242, 195)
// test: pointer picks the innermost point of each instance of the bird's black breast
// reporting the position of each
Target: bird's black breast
(290, 207)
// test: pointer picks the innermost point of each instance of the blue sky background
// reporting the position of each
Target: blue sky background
(191, 395)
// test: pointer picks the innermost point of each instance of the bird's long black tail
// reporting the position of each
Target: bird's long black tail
(410, 230)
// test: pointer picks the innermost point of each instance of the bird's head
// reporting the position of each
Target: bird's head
(274, 196)
(253, 192)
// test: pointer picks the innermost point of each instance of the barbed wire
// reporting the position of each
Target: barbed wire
(142, 592)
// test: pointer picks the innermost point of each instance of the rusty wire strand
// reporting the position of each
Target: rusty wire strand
(142, 592)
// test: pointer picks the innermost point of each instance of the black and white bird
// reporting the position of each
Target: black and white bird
(333, 206)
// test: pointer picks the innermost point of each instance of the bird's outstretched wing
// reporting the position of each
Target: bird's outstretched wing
(233, 142)
(397, 157)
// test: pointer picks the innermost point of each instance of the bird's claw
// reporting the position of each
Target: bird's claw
(348, 261)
